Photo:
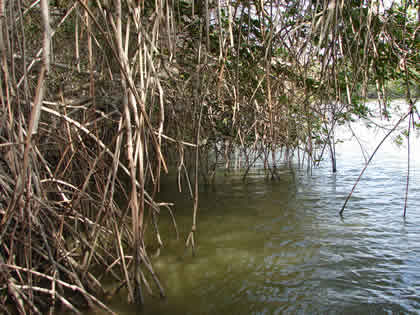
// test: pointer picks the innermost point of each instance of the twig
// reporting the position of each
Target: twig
(63, 283)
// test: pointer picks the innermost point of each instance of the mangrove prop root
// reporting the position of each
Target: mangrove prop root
(370, 159)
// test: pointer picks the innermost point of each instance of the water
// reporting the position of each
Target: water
(280, 247)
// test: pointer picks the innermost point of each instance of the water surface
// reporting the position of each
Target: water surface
(280, 247)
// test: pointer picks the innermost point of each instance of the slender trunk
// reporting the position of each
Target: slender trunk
(134, 293)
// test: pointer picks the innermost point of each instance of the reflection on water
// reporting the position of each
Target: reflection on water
(275, 247)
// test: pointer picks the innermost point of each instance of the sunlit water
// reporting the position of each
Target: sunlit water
(280, 247)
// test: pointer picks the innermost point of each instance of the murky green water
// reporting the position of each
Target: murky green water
(279, 247)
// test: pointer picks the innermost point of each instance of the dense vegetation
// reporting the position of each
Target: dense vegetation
(99, 98)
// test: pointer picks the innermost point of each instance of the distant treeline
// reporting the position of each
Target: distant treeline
(395, 89)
